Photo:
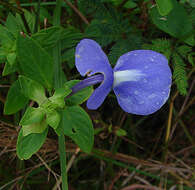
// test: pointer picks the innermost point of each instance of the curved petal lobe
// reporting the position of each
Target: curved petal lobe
(142, 81)
(91, 59)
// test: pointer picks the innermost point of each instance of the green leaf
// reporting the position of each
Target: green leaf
(130, 5)
(15, 99)
(32, 115)
(6, 37)
(184, 50)
(32, 90)
(30, 18)
(53, 119)
(190, 59)
(11, 58)
(79, 97)
(45, 13)
(34, 61)
(2, 55)
(38, 127)
(177, 23)
(59, 95)
(163, 46)
(121, 46)
(192, 3)
(69, 39)
(8, 68)
(120, 132)
(30, 144)
(179, 74)
(13, 25)
(164, 6)
(78, 126)
(48, 37)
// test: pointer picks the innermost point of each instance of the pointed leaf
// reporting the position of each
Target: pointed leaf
(15, 99)
(11, 58)
(32, 89)
(2, 55)
(59, 95)
(177, 23)
(6, 37)
(30, 144)
(34, 61)
(164, 6)
(38, 127)
(8, 68)
(48, 37)
(53, 119)
(32, 115)
(78, 126)
(13, 24)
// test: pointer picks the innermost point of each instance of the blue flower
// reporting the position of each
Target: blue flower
(141, 79)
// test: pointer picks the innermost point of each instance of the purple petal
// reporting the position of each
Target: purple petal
(142, 81)
(91, 59)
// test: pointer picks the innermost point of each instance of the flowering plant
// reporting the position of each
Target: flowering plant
(141, 79)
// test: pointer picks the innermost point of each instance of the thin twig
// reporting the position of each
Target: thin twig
(46, 165)
(138, 186)
(184, 127)
(127, 180)
(77, 11)
(169, 122)
(72, 159)
(67, 168)
(189, 104)
(182, 108)
(115, 179)
(76, 3)
(10, 182)
(4, 86)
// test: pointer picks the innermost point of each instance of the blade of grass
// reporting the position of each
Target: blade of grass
(58, 84)
(37, 16)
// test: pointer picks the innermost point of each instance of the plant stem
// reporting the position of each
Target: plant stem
(58, 84)
(62, 150)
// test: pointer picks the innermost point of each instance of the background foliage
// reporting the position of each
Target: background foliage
(130, 151)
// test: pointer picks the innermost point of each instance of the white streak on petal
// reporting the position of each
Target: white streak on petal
(127, 75)
(152, 95)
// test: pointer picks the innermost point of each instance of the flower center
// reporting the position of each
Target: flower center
(127, 75)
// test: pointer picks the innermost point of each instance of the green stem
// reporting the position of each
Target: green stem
(62, 149)
(58, 84)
